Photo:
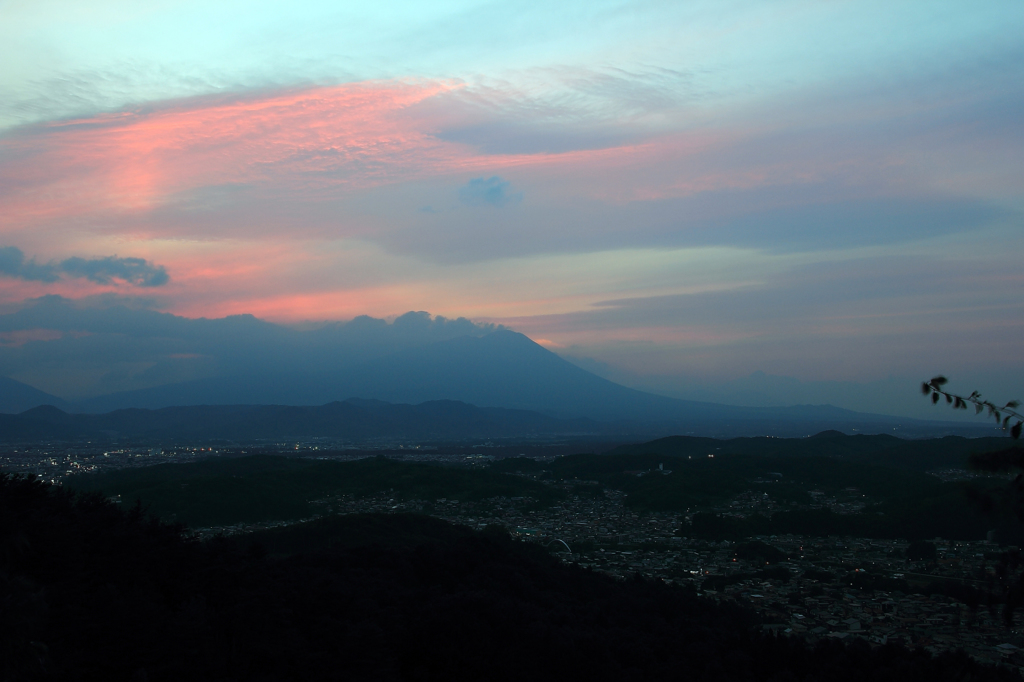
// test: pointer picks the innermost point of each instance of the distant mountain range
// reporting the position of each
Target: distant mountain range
(357, 420)
(503, 369)
(17, 397)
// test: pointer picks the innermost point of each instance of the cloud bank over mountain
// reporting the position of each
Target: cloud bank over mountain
(75, 349)
(109, 353)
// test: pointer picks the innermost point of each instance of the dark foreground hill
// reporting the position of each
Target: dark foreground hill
(224, 491)
(90, 592)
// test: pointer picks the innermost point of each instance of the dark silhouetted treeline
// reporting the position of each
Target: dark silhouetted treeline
(901, 500)
(224, 491)
(882, 450)
(90, 592)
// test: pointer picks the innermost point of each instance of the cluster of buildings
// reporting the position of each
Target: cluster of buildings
(54, 462)
(812, 586)
(815, 587)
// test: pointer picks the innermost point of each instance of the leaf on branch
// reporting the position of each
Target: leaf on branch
(1003, 415)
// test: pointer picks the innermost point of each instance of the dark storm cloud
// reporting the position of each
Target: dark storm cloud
(136, 271)
(13, 264)
(106, 270)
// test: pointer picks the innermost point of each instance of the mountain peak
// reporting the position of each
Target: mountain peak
(45, 412)
(16, 397)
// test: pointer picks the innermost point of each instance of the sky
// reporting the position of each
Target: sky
(747, 201)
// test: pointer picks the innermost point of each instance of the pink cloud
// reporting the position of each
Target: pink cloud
(134, 160)
(279, 161)
(299, 143)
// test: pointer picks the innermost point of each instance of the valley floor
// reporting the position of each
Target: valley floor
(844, 600)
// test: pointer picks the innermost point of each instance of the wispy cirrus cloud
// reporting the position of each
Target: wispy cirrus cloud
(301, 140)
(813, 319)
(361, 160)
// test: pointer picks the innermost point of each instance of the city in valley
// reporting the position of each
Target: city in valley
(936, 594)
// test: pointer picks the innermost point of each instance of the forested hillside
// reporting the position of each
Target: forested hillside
(92, 592)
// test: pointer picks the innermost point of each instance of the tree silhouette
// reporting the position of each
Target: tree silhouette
(1009, 568)
(1003, 415)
